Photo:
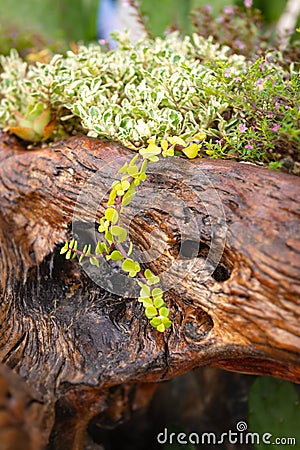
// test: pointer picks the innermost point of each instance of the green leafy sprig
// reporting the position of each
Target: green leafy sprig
(112, 247)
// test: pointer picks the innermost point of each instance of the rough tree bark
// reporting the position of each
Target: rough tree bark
(224, 237)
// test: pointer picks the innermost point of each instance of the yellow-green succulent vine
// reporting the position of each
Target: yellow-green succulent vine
(113, 236)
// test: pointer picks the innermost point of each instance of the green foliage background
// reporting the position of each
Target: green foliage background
(274, 408)
(271, 9)
(34, 23)
(175, 12)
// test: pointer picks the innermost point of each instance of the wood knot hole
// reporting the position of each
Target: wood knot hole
(197, 328)
(221, 272)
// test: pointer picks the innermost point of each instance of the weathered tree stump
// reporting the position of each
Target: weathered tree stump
(222, 235)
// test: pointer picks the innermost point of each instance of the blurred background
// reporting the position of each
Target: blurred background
(31, 25)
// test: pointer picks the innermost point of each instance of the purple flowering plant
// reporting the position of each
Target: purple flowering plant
(262, 121)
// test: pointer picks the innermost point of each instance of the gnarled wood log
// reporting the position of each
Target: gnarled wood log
(222, 235)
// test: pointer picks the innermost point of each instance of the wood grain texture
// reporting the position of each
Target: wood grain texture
(223, 236)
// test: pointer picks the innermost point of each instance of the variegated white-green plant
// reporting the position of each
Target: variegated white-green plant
(157, 96)
(153, 89)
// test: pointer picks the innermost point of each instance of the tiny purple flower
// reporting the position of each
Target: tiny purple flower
(228, 10)
(249, 146)
(259, 81)
(277, 105)
(238, 79)
(248, 3)
(242, 127)
(207, 8)
(239, 44)
(276, 127)
(227, 73)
